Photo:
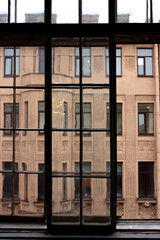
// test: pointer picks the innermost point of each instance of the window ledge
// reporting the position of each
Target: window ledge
(10, 200)
(146, 200)
(87, 200)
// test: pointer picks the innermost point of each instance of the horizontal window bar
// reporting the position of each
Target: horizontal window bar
(22, 172)
(22, 129)
(24, 87)
(84, 85)
(79, 130)
(83, 176)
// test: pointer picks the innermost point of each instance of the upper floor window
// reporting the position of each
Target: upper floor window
(118, 62)
(144, 58)
(119, 118)
(86, 117)
(86, 62)
(9, 119)
(8, 181)
(145, 119)
(41, 183)
(9, 61)
(146, 180)
(119, 180)
(42, 60)
(86, 181)
(41, 116)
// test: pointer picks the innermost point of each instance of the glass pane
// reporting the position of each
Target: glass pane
(141, 123)
(8, 64)
(96, 67)
(65, 149)
(29, 149)
(148, 66)
(65, 11)
(30, 11)
(118, 66)
(97, 208)
(150, 185)
(30, 203)
(95, 11)
(156, 15)
(144, 52)
(96, 115)
(64, 209)
(150, 123)
(30, 67)
(128, 12)
(140, 66)
(66, 64)
(145, 107)
(67, 117)
(4, 12)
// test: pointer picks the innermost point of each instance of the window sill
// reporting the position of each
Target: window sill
(87, 200)
(17, 200)
(146, 200)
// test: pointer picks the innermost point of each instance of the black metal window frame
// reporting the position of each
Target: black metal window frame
(41, 34)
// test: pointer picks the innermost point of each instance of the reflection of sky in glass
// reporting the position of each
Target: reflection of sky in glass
(67, 10)
(3, 6)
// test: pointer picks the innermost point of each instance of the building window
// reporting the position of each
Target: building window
(64, 182)
(9, 61)
(119, 180)
(119, 118)
(145, 68)
(41, 183)
(25, 189)
(146, 180)
(118, 62)
(145, 119)
(86, 117)
(25, 117)
(8, 181)
(9, 121)
(42, 60)
(86, 62)
(41, 116)
(86, 185)
(65, 105)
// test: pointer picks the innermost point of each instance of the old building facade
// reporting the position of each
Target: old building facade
(22, 132)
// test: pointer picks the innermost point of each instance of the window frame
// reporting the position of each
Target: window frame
(41, 34)
(11, 57)
(144, 63)
(145, 120)
(144, 175)
(41, 132)
(77, 60)
(117, 57)
(11, 113)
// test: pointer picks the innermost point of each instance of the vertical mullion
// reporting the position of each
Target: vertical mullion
(15, 16)
(81, 131)
(146, 11)
(80, 11)
(14, 127)
(151, 11)
(48, 10)
(9, 10)
(112, 11)
(113, 129)
(48, 132)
